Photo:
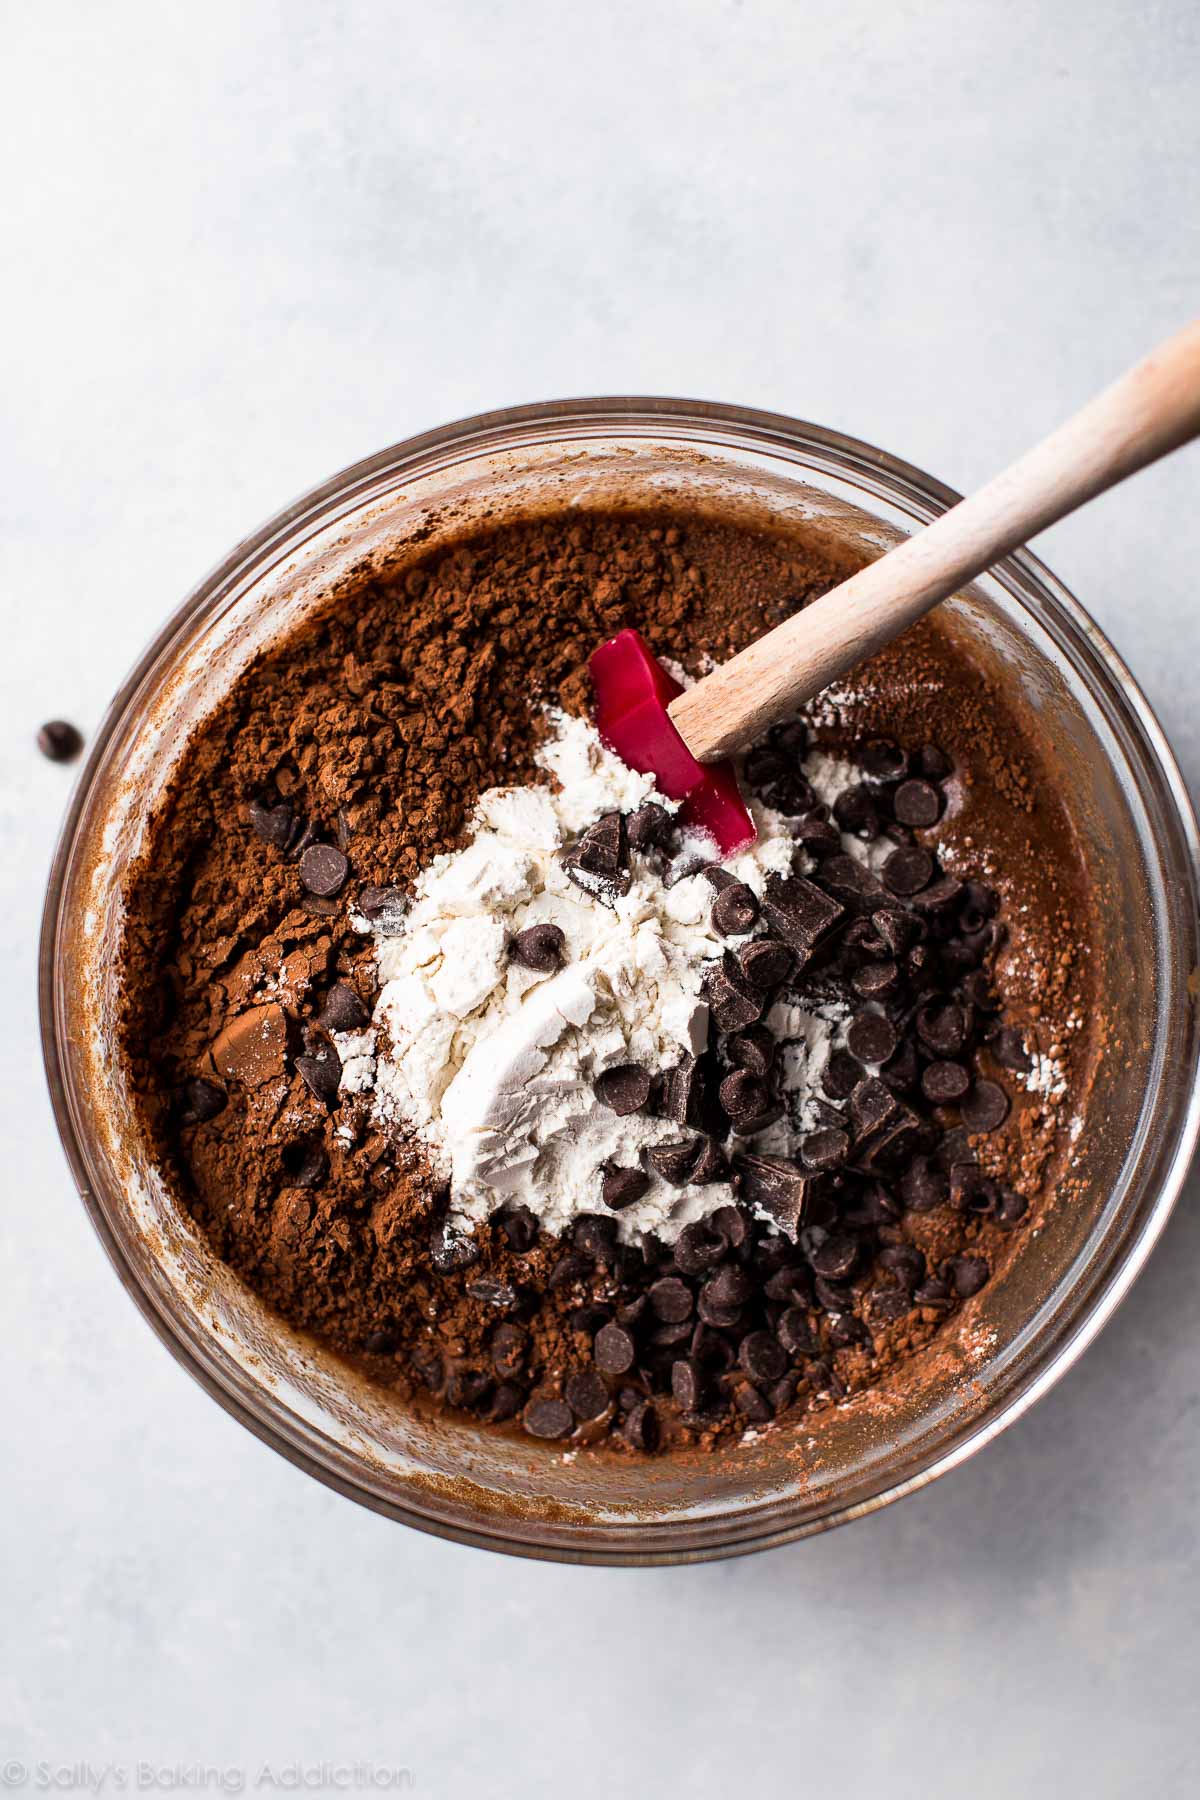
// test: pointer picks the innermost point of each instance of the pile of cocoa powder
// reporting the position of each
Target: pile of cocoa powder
(368, 735)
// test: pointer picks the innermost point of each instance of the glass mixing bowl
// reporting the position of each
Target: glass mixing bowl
(445, 1474)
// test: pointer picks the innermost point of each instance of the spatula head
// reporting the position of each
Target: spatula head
(633, 691)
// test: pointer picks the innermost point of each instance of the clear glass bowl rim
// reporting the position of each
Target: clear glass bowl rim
(699, 424)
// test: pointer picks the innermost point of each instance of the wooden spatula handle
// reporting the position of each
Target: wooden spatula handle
(1151, 410)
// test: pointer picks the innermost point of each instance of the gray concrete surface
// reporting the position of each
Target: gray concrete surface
(245, 243)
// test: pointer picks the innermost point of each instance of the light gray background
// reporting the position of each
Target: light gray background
(247, 243)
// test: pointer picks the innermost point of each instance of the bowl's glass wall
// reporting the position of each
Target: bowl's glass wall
(1138, 838)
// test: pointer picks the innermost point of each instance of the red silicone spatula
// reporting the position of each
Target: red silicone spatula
(633, 692)
(675, 733)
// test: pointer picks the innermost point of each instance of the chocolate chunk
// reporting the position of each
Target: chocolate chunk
(966, 1274)
(872, 1106)
(681, 1097)
(539, 947)
(323, 870)
(710, 1164)
(752, 1050)
(640, 1429)
(776, 1187)
(801, 913)
(687, 1383)
(343, 1010)
(733, 1002)
(548, 1419)
(675, 1161)
(1008, 1048)
(944, 1083)
(624, 1089)
(825, 1149)
(698, 1248)
(743, 1096)
(451, 1250)
(851, 884)
(201, 1101)
(872, 1038)
(520, 1227)
(306, 1164)
(321, 1074)
(622, 1187)
(599, 861)
(917, 803)
(649, 827)
(908, 869)
(985, 1108)
(765, 962)
(586, 1395)
(942, 1027)
(762, 1356)
(59, 740)
(251, 1048)
(273, 824)
(735, 910)
(613, 1349)
(670, 1299)
(509, 1347)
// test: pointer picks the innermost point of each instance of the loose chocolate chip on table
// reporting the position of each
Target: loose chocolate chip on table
(613, 1350)
(825, 1149)
(908, 869)
(966, 1274)
(321, 1075)
(676, 1161)
(520, 1227)
(648, 827)
(343, 1010)
(917, 803)
(59, 740)
(640, 1429)
(735, 910)
(451, 1250)
(942, 1027)
(548, 1419)
(201, 1101)
(273, 824)
(944, 1083)
(323, 870)
(539, 947)
(985, 1107)
(687, 1383)
(1008, 1048)
(622, 1187)
(624, 1089)
(671, 1299)
(871, 1038)
(762, 1356)
(586, 1394)
(777, 1187)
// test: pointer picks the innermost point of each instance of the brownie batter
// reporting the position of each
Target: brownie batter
(352, 753)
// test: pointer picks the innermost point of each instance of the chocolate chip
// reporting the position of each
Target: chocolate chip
(985, 1107)
(795, 1333)
(799, 912)
(905, 1262)
(506, 1403)
(1011, 1207)
(724, 1294)
(586, 1394)
(539, 947)
(613, 1349)
(624, 1089)
(59, 740)
(735, 910)
(933, 1293)
(836, 1258)
(321, 1075)
(752, 1050)
(670, 1299)
(887, 1304)
(966, 1274)
(842, 1075)
(908, 870)
(675, 1161)
(743, 1096)
(589, 1319)
(548, 1419)
(751, 1404)
(382, 1342)
(698, 1249)
(273, 824)
(818, 835)
(622, 1187)
(306, 1164)
(731, 1224)
(897, 931)
(777, 1187)
(825, 1149)
(765, 962)
(520, 1227)
(681, 1096)
(571, 1268)
(851, 884)
(942, 1027)
(854, 810)
(452, 1250)
(687, 1383)
(599, 861)
(509, 1347)
(844, 1329)
(943, 1083)
(640, 1429)
(762, 1356)
(933, 763)
(343, 1010)
(734, 1004)
(1008, 1047)
(710, 1164)
(875, 980)
(201, 1101)
(468, 1387)
(385, 907)
(883, 760)
(323, 870)
(917, 803)
(649, 827)
(939, 897)
(790, 738)
(872, 1038)
(594, 1234)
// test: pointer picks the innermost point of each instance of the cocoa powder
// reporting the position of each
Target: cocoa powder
(373, 729)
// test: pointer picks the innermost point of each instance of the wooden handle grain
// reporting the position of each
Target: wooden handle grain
(1151, 410)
